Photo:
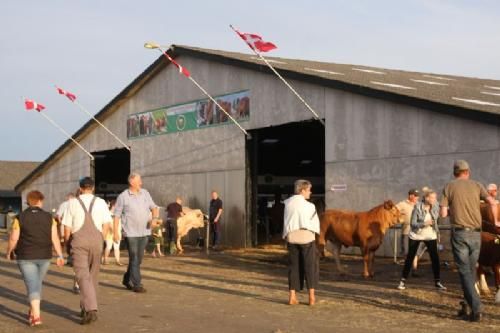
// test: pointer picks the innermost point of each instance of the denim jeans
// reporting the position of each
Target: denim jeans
(215, 233)
(466, 246)
(136, 247)
(33, 272)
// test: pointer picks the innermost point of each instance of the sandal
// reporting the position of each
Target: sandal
(35, 321)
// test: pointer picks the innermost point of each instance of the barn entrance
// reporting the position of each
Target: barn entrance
(277, 156)
(111, 170)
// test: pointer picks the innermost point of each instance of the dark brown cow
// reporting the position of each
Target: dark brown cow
(489, 255)
(365, 230)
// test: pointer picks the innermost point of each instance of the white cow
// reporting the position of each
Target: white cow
(192, 218)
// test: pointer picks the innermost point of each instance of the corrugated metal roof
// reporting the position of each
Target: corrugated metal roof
(464, 96)
(12, 172)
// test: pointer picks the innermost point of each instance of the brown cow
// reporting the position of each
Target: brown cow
(362, 229)
(192, 218)
(489, 255)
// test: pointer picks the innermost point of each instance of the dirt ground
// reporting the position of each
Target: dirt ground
(243, 291)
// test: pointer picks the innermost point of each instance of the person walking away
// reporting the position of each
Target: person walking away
(87, 221)
(134, 207)
(300, 225)
(424, 229)
(32, 237)
(461, 202)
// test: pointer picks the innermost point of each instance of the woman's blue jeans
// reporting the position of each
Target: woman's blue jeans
(33, 272)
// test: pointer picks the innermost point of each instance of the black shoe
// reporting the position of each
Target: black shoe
(139, 289)
(127, 285)
(89, 317)
(475, 317)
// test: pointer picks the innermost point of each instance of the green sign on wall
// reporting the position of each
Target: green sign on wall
(188, 116)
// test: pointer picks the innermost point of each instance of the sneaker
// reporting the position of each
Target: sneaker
(402, 285)
(76, 290)
(439, 286)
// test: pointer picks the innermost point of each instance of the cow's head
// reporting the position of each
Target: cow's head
(198, 221)
(393, 213)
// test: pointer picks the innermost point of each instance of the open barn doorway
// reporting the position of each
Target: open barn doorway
(277, 156)
(111, 170)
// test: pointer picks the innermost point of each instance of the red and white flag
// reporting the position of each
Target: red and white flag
(255, 42)
(32, 105)
(182, 70)
(70, 96)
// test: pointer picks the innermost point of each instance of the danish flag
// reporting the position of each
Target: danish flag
(32, 105)
(70, 96)
(255, 42)
(182, 69)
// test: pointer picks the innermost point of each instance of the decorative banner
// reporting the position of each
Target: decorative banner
(189, 116)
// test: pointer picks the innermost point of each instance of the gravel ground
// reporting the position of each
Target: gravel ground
(244, 291)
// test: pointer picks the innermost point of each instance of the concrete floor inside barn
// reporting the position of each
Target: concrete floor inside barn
(243, 291)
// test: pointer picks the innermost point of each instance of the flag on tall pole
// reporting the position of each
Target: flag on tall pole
(258, 45)
(72, 98)
(186, 73)
(29, 104)
(32, 105)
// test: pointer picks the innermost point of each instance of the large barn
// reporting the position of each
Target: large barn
(385, 131)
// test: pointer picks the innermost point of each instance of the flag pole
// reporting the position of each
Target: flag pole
(316, 116)
(65, 133)
(210, 97)
(101, 124)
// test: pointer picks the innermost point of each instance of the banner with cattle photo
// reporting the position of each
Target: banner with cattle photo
(188, 116)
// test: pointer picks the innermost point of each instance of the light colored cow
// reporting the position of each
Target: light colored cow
(192, 218)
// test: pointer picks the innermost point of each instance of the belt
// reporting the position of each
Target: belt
(465, 229)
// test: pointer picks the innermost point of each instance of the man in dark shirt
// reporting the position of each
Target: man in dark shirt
(214, 215)
(174, 211)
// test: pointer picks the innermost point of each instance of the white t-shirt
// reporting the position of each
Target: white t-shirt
(74, 215)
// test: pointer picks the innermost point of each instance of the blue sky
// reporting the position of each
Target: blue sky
(95, 48)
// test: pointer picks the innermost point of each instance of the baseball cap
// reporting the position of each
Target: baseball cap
(460, 165)
(86, 182)
(414, 191)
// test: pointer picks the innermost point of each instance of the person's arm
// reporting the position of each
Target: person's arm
(219, 213)
(67, 235)
(415, 222)
(13, 238)
(116, 220)
(443, 210)
(57, 245)
(494, 210)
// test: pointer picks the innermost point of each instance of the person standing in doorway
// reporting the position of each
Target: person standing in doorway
(301, 224)
(134, 207)
(461, 202)
(214, 216)
(87, 220)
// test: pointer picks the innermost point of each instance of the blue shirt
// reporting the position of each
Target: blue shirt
(134, 209)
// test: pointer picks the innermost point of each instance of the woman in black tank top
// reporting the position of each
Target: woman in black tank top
(32, 237)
